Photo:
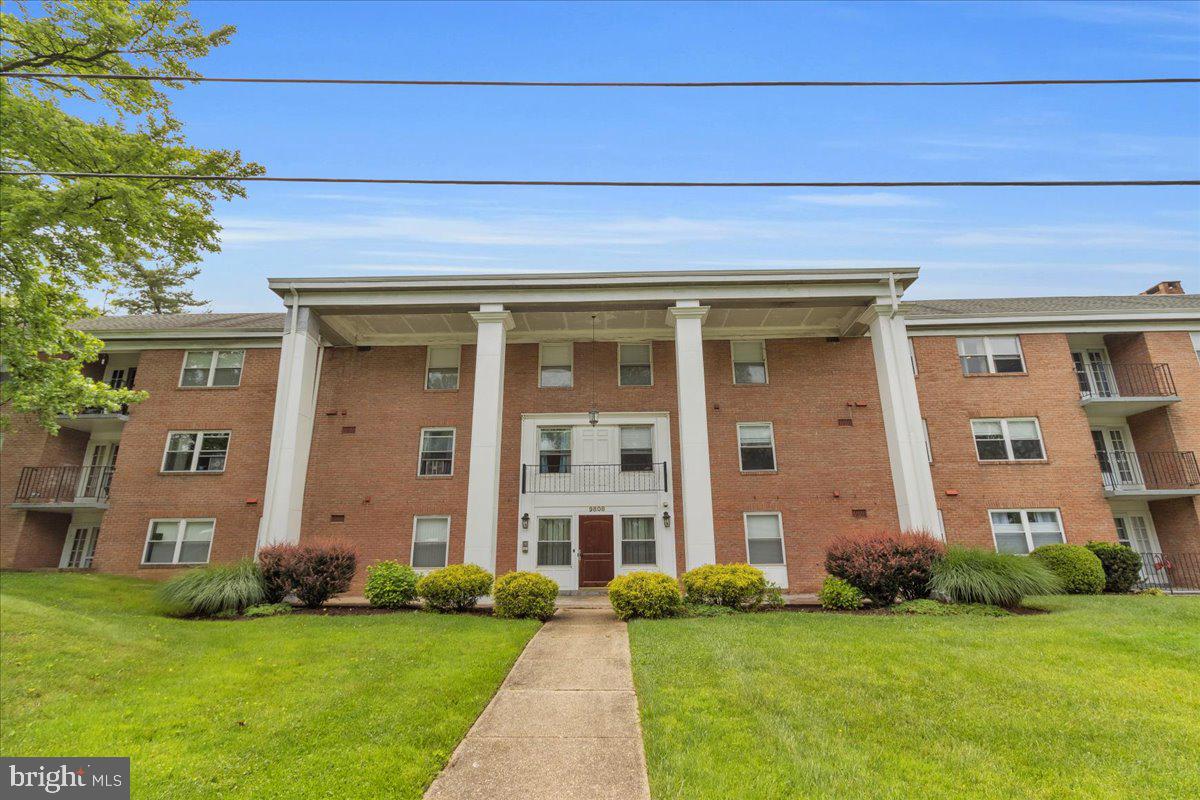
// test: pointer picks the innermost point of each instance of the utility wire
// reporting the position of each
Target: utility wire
(636, 184)
(594, 84)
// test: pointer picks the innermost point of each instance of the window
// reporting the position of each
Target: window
(441, 367)
(1007, 439)
(179, 541)
(983, 355)
(555, 365)
(637, 450)
(749, 362)
(912, 356)
(212, 368)
(928, 446)
(554, 542)
(437, 452)
(635, 369)
(756, 445)
(554, 450)
(764, 539)
(431, 536)
(1196, 343)
(637, 541)
(196, 451)
(1021, 531)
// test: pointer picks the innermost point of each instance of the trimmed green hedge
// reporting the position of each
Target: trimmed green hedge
(525, 595)
(390, 584)
(652, 595)
(1122, 566)
(838, 594)
(454, 588)
(739, 586)
(1078, 568)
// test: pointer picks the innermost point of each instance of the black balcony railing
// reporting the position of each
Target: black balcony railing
(590, 478)
(1125, 380)
(1123, 471)
(63, 484)
(1173, 573)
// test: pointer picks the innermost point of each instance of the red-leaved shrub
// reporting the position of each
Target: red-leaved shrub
(887, 565)
(275, 565)
(321, 571)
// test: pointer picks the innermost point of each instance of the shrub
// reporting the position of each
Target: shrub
(691, 608)
(1078, 568)
(525, 595)
(967, 575)
(454, 588)
(390, 584)
(1122, 565)
(321, 571)
(885, 566)
(932, 608)
(644, 594)
(267, 610)
(738, 586)
(213, 590)
(836, 593)
(275, 563)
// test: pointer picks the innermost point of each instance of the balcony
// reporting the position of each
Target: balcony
(96, 420)
(592, 478)
(1153, 475)
(1174, 573)
(1125, 389)
(63, 489)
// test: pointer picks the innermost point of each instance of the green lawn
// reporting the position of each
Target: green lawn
(300, 706)
(1099, 699)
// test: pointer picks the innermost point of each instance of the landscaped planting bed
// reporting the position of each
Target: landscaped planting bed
(1099, 699)
(298, 705)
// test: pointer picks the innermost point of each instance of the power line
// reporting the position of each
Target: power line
(633, 184)
(598, 84)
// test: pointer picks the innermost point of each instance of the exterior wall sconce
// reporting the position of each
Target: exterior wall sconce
(666, 519)
(525, 521)
(593, 417)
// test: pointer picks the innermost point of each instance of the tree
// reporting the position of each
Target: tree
(159, 290)
(65, 237)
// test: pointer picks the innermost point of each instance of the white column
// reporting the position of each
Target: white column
(902, 423)
(483, 481)
(696, 473)
(291, 432)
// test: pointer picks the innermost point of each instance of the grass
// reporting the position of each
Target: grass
(1099, 699)
(290, 706)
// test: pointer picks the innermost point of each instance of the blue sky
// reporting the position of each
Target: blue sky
(968, 242)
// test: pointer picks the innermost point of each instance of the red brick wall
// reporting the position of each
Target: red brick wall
(27, 539)
(140, 492)
(1070, 478)
(812, 384)
(370, 475)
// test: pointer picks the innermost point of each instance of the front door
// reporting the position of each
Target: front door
(595, 550)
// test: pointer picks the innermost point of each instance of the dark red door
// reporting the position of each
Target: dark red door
(595, 550)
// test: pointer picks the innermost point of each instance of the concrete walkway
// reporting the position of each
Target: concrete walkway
(564, 724)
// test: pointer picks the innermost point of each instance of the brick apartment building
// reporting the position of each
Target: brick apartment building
(588, 425)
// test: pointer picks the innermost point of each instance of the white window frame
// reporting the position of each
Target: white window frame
(212, 367)
(990, 355)
(774, 450)
(746, 536)
(181, 522)
(191, 470)
(458, 376)
(570, 541)
(1025, 512)
(733, 363)
(912, 356)
(620, 521)
(570, 362)
(421, 449)
(412, 550)
(1196, 343)
(1008, 448)
(649, 363)
(929, 444)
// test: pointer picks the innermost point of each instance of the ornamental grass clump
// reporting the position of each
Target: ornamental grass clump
(969, 575)
(885, 566)
(650, 595)
(1078, 568)
(737, 586)
(524, 595)
(219, 589)
(454, 588)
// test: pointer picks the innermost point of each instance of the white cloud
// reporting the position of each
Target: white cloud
(1076, 236)
(862, 200)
